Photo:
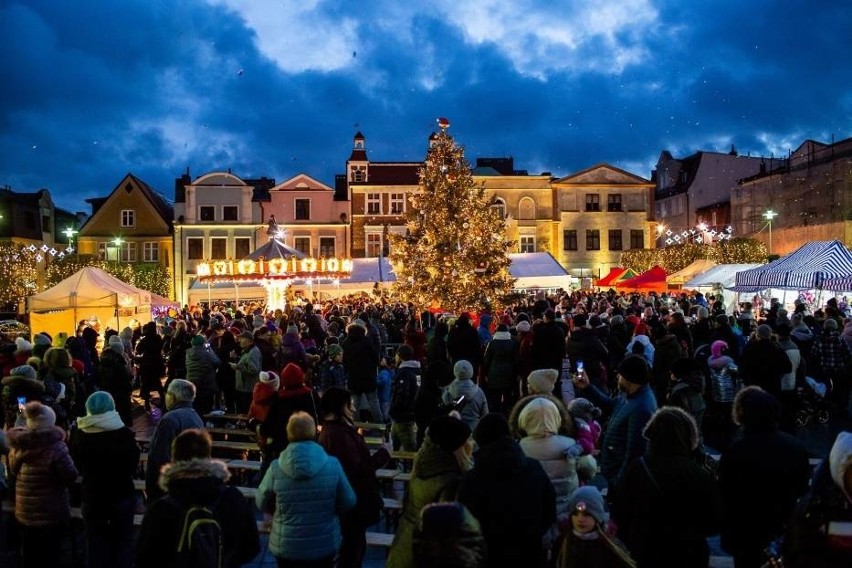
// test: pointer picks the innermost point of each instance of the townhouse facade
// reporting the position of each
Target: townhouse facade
(132, 224)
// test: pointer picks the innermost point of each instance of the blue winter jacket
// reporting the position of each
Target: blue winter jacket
(308, 491)
(623, 441)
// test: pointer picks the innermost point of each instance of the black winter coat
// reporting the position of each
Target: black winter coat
(404, 386)
(463, 344)
(107, 461)
(438, 365)
(548, 346)
(361, 359)
(513, 499)
(761, 475)
(114, 377)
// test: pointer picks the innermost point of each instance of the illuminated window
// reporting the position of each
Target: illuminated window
(499, 205)
(128, 252)
(302, 244)
(527, 243)
(397, 203)
(374, 244)
(326, 247)
(374, 204)
(613, 202)
(151, 251)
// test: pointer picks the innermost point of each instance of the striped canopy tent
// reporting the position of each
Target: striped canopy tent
(616, 274)
(654, 280)
(840, 284)
(699, 266)
(807, 268)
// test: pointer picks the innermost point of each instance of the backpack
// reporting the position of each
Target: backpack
(723, 386)
(200, 542)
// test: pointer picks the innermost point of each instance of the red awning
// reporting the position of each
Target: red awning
(653, 280)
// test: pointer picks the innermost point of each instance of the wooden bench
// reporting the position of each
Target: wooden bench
(228, 432)
(226, 417)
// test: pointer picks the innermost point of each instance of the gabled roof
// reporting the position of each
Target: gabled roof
(602, 174)
(301, 182)
(162, 207)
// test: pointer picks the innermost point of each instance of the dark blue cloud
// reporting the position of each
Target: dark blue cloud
(154, 87)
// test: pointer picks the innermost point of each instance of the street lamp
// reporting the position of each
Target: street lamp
(117, 241)
(769, 215)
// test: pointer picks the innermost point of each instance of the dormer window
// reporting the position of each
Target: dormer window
(358, 173)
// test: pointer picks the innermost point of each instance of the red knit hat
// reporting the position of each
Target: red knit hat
(292, 376)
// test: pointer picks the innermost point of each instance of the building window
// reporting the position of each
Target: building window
(615, 239)
(128, 252)
(45, 224)
(593, 202)
(230, 213)
(527, 243)
(207, 213)
(637, 238)
(242, 247)
(613, 202)
(374, 244)
(302, 244)
(128, 218)
(194, 248)
(302, 209)
(359, 173)
(218, 248)
(397, 203)
(526, 209)
(102, 251)
(151, 251)
(593, 239)
(569, 239)
(326, 247)
(374, 204)
(500, 207)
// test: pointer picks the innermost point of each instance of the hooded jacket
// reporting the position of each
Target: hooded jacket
(201, 365)
(435, 477)
(541, 421)
(513, 496)
(404, 386)
(106, 453)
(201, 482)
(308, 492)
(15, 386)
(43, 469)
(813, 539)
(475, 405)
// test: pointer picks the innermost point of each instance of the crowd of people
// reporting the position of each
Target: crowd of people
(573, 429)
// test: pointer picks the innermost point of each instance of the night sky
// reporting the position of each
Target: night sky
(93, 89)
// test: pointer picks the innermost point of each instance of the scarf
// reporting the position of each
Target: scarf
(106, 422)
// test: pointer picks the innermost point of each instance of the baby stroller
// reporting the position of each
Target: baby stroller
(812, 405)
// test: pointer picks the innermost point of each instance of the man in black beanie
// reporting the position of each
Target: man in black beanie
(628, 412)
(510, 494)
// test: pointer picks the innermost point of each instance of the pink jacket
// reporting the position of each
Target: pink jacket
(587, 434)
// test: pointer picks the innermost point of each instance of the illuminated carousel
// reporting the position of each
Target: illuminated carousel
(276, 267)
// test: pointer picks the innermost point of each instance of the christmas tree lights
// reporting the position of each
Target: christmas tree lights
(454, 254)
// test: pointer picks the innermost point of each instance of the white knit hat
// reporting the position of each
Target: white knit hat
(23, 344)
(271, 378)
(39, 416)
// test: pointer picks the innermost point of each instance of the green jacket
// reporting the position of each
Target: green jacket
(435, 477)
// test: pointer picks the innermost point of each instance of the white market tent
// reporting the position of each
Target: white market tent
(698, 266)
(806, 268)
(89, 294)
(719, 276)
(538, 270)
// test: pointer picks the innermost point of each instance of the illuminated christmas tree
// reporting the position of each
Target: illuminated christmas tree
(454, 253)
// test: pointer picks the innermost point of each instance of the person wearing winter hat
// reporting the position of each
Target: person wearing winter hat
(21, 383)
(43, 471)
(293, 396)
(247, 369)
(445, 455)
(448, 535)
(474, 405)
(629, 412)
(541, 384)
(542, 381)
(585, 415)
(265, 391)
(588, 541)
(41, 343)
(331, 372)
(114, 376)
(106, 453)
(557, 454)
(667, 504)
(833, 356)
(510, 493)
(23, 351)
